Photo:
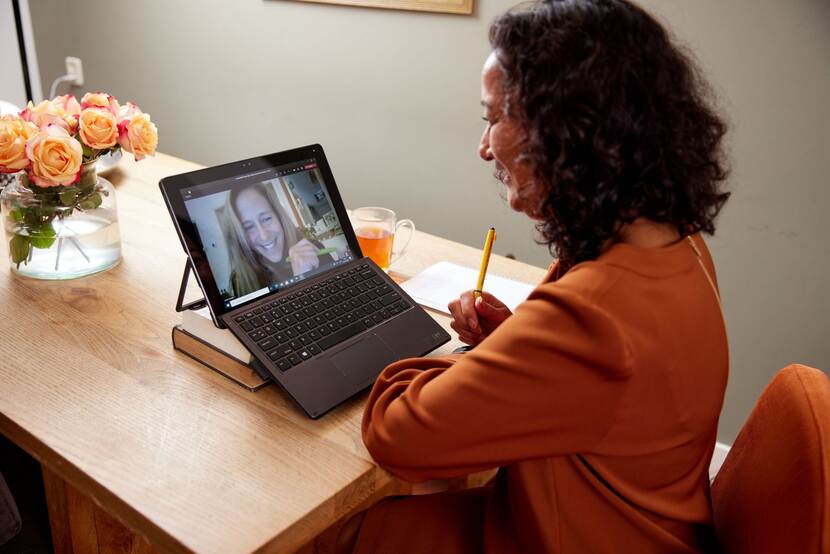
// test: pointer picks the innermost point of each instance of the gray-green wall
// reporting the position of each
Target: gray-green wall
(394, 99)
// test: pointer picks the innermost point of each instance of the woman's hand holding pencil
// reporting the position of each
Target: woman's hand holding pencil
(303, 256)
(477, 313)
(475, 318)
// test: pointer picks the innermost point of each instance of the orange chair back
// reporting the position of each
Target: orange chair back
(772, 493)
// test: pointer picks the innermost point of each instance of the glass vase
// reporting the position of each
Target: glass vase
(61, 232)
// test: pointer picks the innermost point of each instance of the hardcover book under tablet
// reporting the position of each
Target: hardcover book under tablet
(280, 266)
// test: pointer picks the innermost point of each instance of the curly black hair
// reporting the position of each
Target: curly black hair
(619, 122)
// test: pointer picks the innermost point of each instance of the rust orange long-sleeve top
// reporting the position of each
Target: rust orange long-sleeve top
(599, 401)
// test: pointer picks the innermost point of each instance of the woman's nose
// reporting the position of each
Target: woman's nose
(484, 146)
(263, 234)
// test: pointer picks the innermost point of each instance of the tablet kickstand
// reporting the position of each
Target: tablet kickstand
(196, 304)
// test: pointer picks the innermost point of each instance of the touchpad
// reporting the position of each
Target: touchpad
(364, 360)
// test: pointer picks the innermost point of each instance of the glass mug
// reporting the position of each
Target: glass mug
(375, 229)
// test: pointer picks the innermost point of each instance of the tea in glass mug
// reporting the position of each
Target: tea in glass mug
(375, 229)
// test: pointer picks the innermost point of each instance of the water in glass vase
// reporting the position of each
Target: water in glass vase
(85, 243)
(61, 233)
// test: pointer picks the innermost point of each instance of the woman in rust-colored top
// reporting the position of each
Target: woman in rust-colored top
(599, 398)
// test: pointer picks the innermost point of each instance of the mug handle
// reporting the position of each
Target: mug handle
(408, 223)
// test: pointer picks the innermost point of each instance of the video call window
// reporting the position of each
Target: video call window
(265, 235)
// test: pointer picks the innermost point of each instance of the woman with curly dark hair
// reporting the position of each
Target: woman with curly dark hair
(598, 400)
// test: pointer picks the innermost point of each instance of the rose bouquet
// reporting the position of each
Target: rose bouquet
(54, 146)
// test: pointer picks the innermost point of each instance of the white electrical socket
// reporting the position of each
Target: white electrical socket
(75, 68)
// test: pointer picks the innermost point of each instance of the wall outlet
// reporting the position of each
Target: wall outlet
(75, 68)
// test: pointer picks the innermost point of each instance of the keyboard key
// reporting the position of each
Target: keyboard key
(294, 359)
(304, 354)
(390, 299)
(267, 344)
(257, 322)
(283, 364)
(342, 334)
(257, 310)
(315, 335)
(239, 318)
(403, 304)
(270, 329)
(314, 349)
(257, 334)
(275, 354)
(281, 338)
(246, 326)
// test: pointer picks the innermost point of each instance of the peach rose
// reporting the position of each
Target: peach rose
(98, 128)
(68, 104)
(14, 132)
(56, 157)
(101, 100)
(138, 135)
(46, 113)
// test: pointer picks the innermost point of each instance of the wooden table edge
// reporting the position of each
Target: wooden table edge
(108, 501)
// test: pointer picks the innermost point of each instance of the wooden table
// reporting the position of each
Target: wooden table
(129, 431)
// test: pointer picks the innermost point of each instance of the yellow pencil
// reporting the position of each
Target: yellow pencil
(485, 259)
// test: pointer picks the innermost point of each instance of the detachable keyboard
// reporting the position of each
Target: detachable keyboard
(303, 324)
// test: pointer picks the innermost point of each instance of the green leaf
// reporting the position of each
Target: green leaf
(68, 197)
(91, 202)
(19, 247)
(16, 215)
(89, 153)
(43, 237)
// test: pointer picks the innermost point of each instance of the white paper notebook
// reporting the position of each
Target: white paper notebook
(439, 284)
(199, 324)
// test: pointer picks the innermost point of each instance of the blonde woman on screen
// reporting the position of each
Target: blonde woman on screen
(264, 246)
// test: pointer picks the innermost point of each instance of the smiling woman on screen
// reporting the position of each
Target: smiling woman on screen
(259, 233)
(598, 399)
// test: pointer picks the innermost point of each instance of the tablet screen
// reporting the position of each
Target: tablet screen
(266, 230)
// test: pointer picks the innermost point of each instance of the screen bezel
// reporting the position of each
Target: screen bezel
(172, 186)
